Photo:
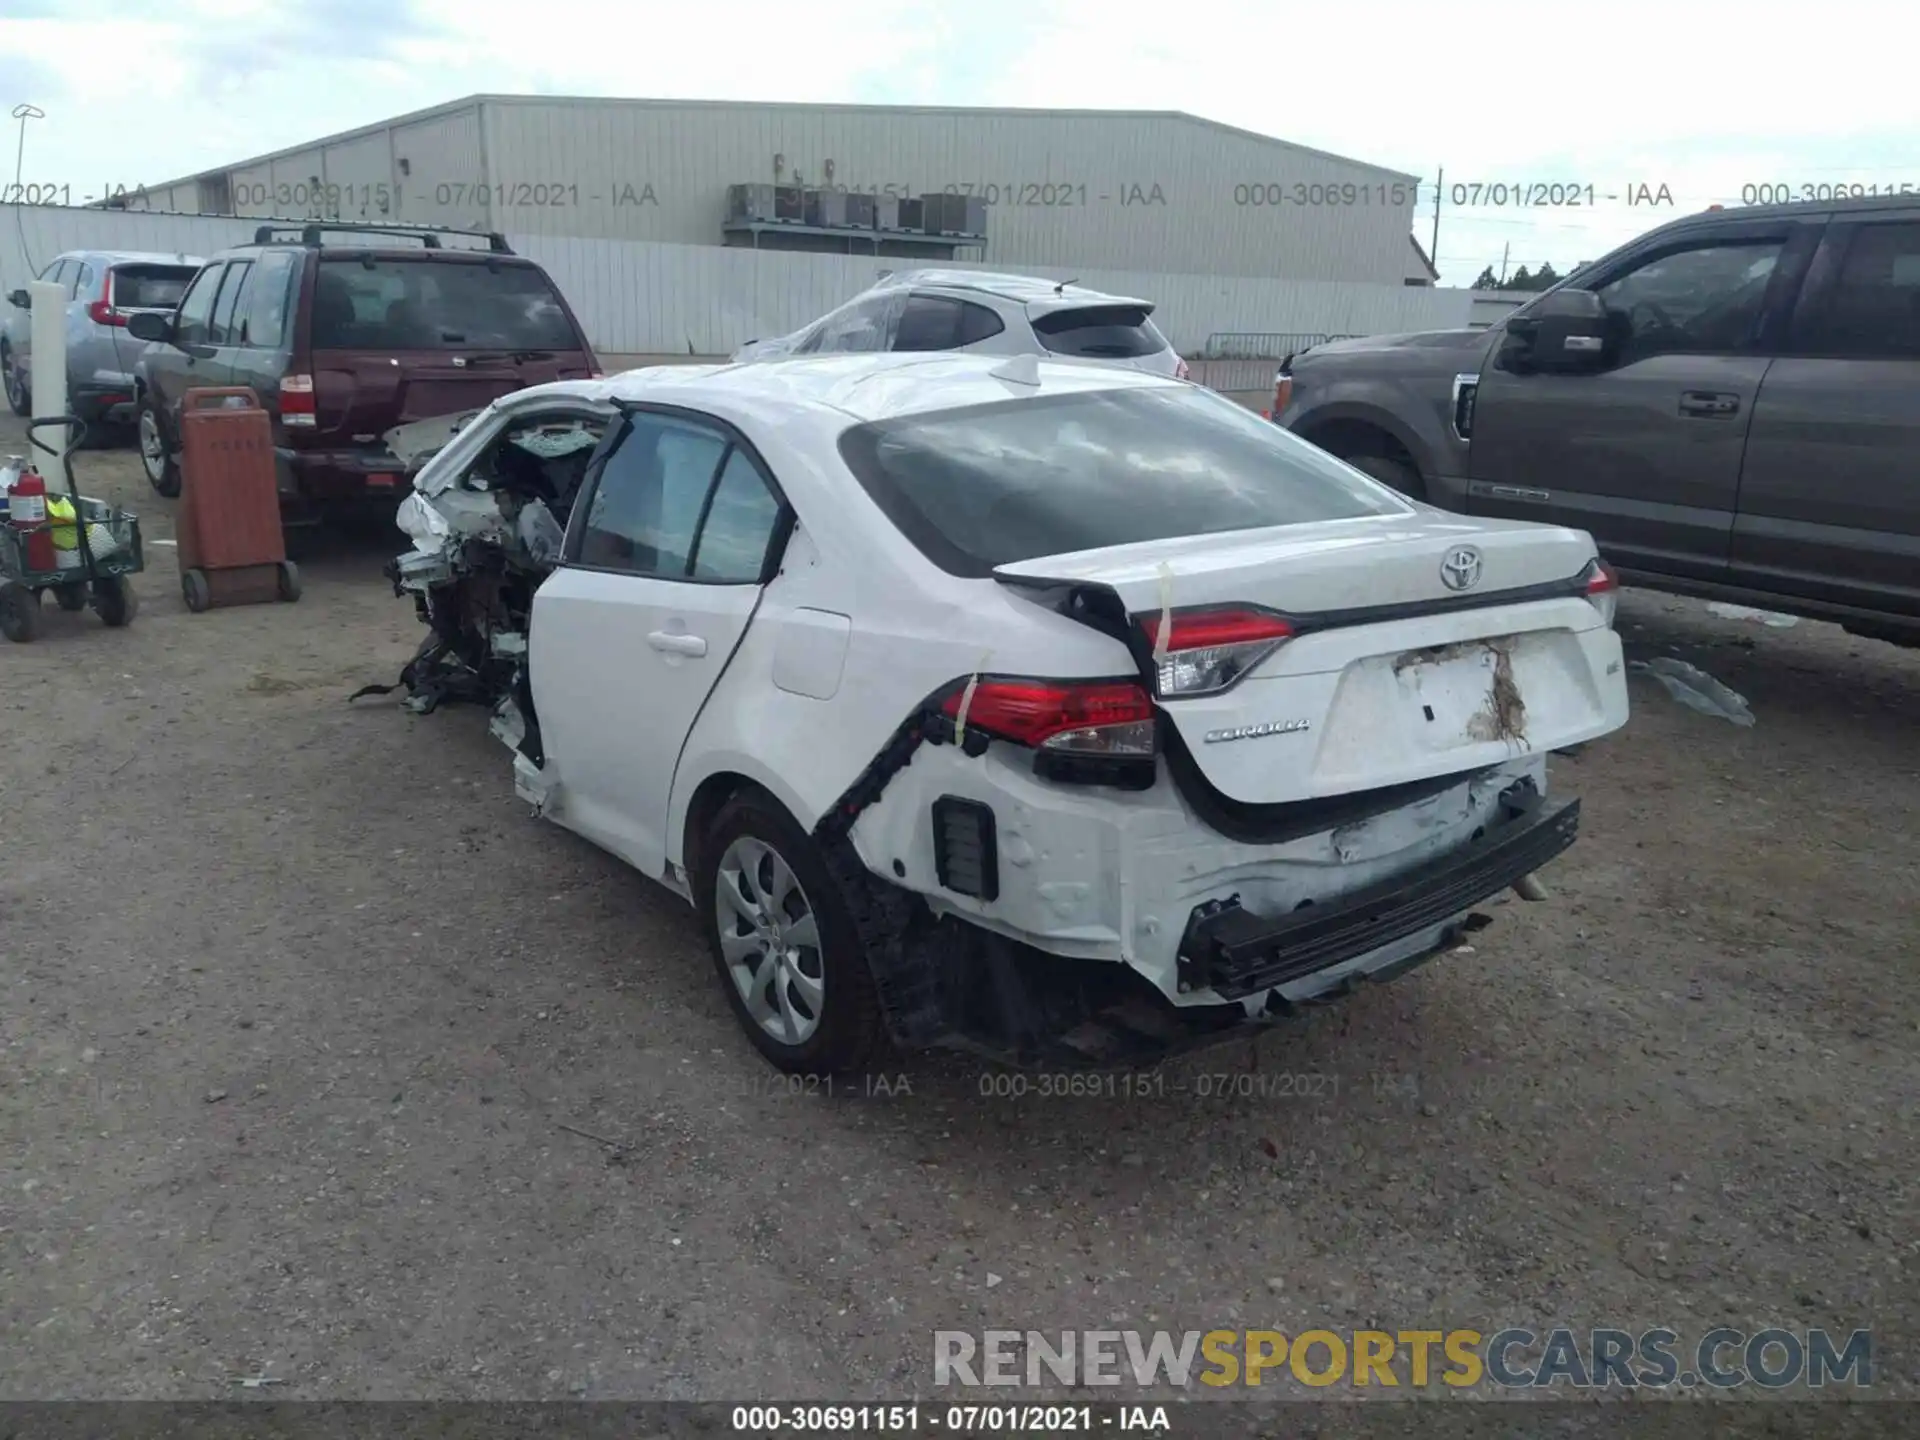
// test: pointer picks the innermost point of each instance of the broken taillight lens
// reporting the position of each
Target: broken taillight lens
(1206, 651)
(1282, 393)
(1603, 589)
(1107, 718)
(297, 405)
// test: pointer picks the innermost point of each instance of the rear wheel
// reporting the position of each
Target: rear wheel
(163, 470)
(19, 612)
(19, 395)
(784, 941)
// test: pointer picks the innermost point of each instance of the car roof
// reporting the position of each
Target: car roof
(126, 257)
(867, 387)
(1023, 289)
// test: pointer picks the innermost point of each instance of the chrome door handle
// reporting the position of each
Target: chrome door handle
(677, 643)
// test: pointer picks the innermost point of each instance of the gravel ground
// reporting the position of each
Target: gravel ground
(319, 1059)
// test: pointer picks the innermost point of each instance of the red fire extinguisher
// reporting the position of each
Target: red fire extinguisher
(27, 510)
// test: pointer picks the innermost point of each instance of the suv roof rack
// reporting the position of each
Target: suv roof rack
(309, 233)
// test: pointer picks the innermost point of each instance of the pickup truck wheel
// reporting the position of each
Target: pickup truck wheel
(784, 941)
(19, 396)
(1391, 473)
(163, 470)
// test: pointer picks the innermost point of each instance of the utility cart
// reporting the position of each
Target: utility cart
(81, 549)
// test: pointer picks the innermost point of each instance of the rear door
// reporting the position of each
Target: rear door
(1830, 491)
(666, 556)
(395, 339)
(223, 330)
(260, 330)
(1645, 455)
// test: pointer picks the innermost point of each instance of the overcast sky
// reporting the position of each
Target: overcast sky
(1703, 98)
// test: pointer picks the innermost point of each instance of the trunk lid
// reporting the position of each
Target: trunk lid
(1392, 675)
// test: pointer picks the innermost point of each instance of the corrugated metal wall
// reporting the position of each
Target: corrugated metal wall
(639, 297)
(1113, 192)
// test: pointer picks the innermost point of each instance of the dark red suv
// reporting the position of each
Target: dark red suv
(346, 331)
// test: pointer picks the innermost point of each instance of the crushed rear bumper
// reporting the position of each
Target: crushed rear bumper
(1235, 953)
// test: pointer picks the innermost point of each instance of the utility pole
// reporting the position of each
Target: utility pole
(1505, 251)
(1433, 250)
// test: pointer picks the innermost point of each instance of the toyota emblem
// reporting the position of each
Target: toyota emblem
(1460, 570)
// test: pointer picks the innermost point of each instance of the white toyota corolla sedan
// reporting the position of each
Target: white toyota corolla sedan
(1056, 712)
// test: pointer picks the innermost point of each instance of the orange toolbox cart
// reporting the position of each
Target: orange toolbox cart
(232, 550)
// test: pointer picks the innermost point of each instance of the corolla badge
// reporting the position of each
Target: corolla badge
(1460, 570)
(1255, 732)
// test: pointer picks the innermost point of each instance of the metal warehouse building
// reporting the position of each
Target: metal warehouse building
(1108, 190)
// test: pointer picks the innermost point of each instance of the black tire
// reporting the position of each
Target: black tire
(71, 597)
(115, 601)
(848, 1027)
(161, 465)
(19, 612)
(19, 388)
(195, 591)
(1392, 473)
(289, 581)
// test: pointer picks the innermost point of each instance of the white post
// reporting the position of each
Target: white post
(49, 374)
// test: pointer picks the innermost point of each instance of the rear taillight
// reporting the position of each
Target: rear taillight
(101, 311)
(297, 406)
(1096, 718)
(1603, 589)
(1282, 392)
(1206, 651)
(1180, 370)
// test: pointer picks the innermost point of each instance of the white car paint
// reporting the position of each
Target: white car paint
(646, 688)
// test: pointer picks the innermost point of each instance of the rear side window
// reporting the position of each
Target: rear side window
(429, 305)
(85, 282)
(1016, 480)
(1101, 332)
(1873, 311)
(150, 287)
(936, 322)
(262, 318)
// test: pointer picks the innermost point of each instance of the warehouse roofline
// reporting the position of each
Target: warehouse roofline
(471, 102)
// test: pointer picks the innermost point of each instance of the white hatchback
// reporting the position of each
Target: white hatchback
(1058, 712)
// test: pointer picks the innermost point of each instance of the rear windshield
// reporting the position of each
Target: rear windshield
(429, 305)
(150, 287)
(1016, 480)
(1104, 331)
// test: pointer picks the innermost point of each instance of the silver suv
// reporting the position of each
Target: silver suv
(989, 314)
(104, 289)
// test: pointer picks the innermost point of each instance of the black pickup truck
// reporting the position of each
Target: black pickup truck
(1729, 404)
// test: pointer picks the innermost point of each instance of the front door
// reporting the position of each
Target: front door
(666, 558)
(189, 360)
(1644, 454)
(1830, 492)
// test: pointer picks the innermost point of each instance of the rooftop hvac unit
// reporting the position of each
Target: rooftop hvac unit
(750, 204)
(912, 212)
(886, 212)
(827, 209)
(953, 215)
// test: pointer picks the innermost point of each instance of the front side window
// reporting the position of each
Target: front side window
(223, 330)
(994, 484)
(1706, 299)
(196, 309)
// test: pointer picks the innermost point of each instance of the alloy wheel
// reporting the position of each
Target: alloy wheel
(770, 939)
